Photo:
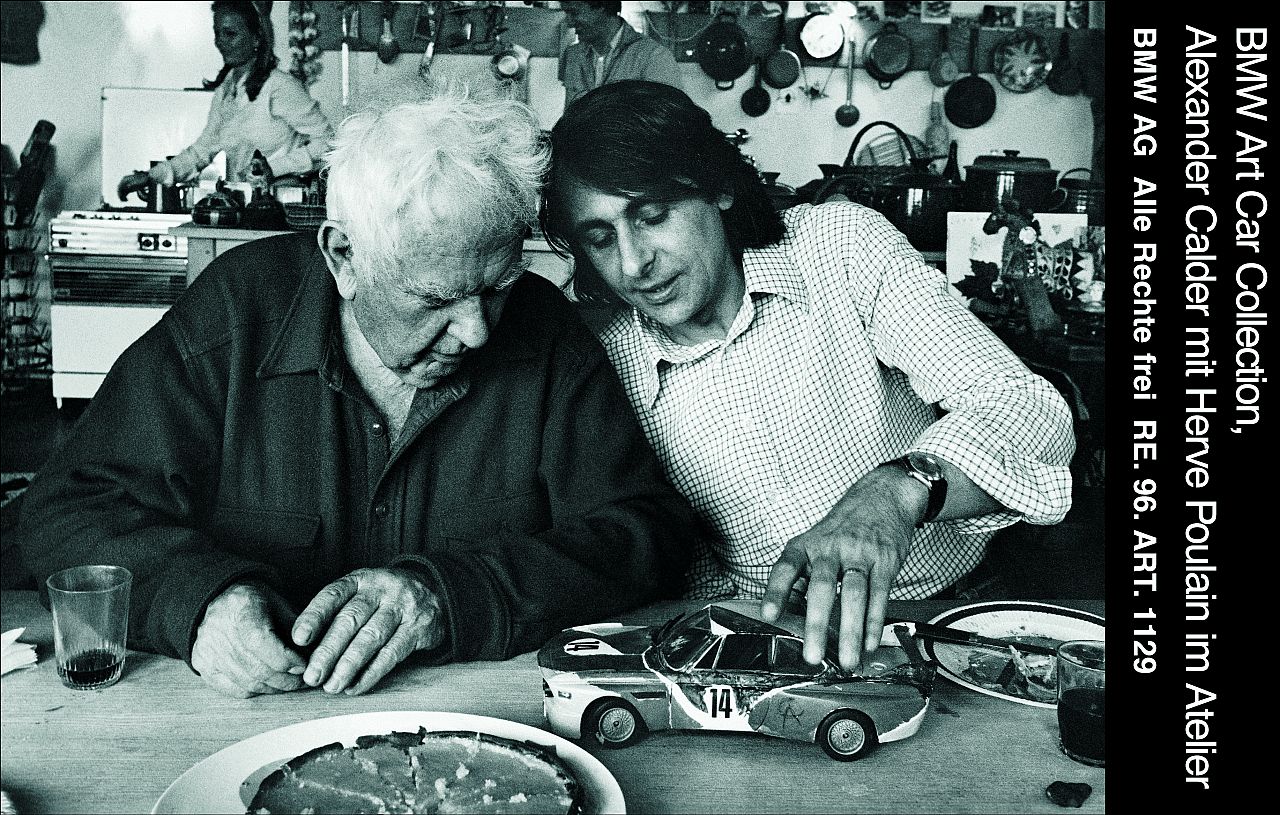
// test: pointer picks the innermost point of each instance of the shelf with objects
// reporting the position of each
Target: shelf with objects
(23, 295)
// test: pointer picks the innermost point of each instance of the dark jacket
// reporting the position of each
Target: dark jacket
(233, 441)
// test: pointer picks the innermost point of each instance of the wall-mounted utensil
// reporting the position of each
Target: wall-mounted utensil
(436, 20)
(887, 55)
(1064, 79)
(723, 51)
(350, 13)
(388, 48)
(848, 114)
(943, 70)
(1021, 62)
(971, 100)
(782, 67)
(755, 100)
(937, 136)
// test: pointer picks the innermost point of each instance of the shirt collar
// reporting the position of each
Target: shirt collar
(772, 271)
(614, 42)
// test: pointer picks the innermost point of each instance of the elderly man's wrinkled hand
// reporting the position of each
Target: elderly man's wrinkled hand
(853, 554)
(237, 651)
(370, 620)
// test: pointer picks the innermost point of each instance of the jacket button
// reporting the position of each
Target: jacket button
(381, 510)
(379, 429)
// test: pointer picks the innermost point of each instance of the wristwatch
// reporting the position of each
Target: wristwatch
(928, 471)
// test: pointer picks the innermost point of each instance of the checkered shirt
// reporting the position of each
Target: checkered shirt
(845, 350)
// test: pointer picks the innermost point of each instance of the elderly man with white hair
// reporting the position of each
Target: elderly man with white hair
(339, 450)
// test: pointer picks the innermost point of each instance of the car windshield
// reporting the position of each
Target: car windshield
(684, 642)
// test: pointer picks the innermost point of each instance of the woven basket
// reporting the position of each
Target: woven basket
(304, 216)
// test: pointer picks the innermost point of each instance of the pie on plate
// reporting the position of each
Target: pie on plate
(227, 781)
(422, 772)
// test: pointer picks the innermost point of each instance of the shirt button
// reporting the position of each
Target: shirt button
(379, 429)
(381, 510)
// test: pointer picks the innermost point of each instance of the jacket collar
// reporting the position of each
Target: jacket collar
(308, 338)
(304, 341)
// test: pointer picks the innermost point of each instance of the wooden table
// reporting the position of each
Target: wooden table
(117, 749)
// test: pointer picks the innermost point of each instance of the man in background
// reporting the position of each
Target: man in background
(609, 50)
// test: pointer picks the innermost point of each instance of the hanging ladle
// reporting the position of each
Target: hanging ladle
(848, 114)
(388, 48)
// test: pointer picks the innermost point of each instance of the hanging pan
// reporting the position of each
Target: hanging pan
(723, 51)
(781, 67)
(971, 100)
(1064, 78)
(755, 100)
(887, 55)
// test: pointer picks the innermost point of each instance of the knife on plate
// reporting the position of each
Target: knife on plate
(944, 633)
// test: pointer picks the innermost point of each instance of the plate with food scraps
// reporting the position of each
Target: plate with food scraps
(1027, 679)
(229, 780)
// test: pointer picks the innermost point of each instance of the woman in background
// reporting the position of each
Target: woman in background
(255, 107)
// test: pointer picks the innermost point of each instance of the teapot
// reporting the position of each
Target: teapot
(222, 207)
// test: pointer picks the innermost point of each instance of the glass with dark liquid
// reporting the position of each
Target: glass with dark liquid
(1082, 687)
(90, 623)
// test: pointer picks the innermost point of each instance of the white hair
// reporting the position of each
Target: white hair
(436, 169)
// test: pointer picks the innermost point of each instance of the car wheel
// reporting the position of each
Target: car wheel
(847, 735)
(614, 723)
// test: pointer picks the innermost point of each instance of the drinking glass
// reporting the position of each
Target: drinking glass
(1082, 687)
(90, 623)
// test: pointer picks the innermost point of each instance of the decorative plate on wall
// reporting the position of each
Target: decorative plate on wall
(1022, 62)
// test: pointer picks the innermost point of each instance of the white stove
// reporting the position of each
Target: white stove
(115, 273)
(117, 232)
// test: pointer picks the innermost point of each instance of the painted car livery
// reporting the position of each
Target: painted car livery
(717, 669)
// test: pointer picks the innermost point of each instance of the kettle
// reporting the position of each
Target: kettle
(160, 198)
(223, 207)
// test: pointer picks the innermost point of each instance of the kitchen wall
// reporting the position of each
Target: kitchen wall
(85, 46)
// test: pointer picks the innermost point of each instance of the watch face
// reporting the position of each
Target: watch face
(925, 464)
(821, 36)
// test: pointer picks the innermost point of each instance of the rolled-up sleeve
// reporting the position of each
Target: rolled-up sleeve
(1006, 428)
(291, 103)
(130, 488)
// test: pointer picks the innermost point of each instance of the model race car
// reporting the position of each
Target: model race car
(717, 669)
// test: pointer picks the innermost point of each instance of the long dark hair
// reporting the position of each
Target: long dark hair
(636, 138)
(258, 22)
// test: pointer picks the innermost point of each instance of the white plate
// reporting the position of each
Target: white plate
(1007, 618)
(214, 785)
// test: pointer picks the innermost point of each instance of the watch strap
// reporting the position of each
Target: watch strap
(934, 482)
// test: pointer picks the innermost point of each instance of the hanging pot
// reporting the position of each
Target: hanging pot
(1030, 181)
(887, 55)
(723, 52)
(1064, 78)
